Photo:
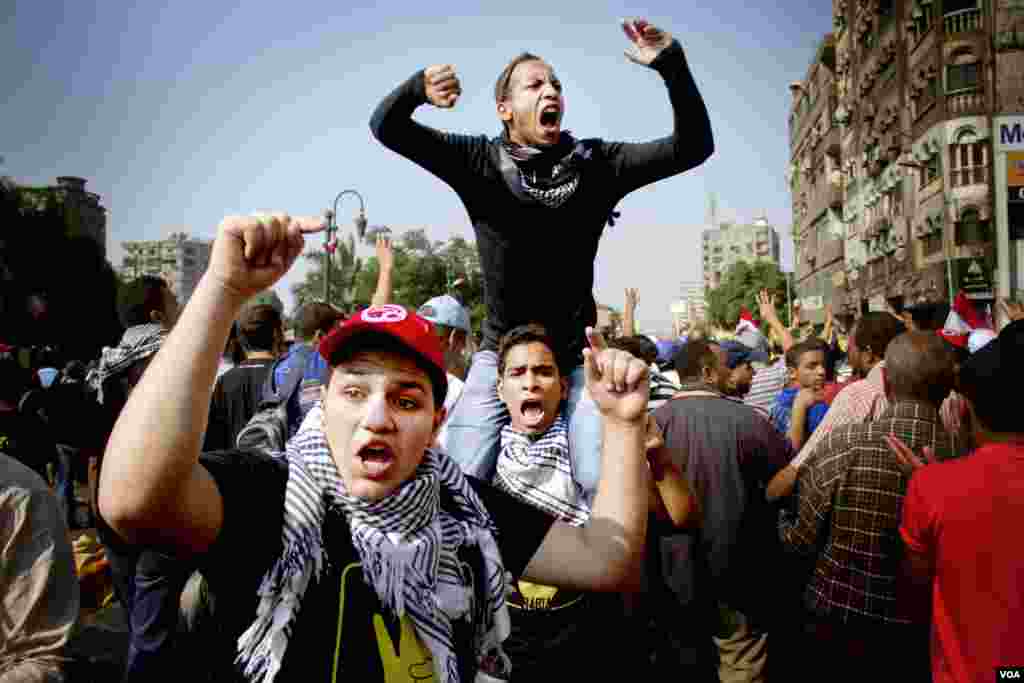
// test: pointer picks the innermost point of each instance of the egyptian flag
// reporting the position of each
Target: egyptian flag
(963, 319)
(746, 322)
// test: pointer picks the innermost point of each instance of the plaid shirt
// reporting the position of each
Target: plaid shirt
(865, 401)
(849, 500)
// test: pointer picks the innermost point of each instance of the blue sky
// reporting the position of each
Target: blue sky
(181, 113)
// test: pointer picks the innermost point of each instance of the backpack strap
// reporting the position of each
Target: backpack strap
(293, 379)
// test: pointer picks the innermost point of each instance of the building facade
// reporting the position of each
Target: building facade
(727, 244)
(690, 308)
(891, 142)
(180, 260)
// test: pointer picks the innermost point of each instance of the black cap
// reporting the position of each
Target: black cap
(994, 373)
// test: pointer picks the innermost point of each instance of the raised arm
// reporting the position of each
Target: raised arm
(629, 312)
(385, 265)
(691, 141)
(456, 159)
(605, 555)
(152, 488)
(766, 306)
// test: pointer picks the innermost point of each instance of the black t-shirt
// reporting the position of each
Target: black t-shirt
(235, 400)
(341, 621)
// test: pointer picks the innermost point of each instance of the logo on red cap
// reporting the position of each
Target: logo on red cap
(388, 313)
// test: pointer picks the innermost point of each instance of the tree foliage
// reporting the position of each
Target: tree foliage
(739, 288)
(343, 270)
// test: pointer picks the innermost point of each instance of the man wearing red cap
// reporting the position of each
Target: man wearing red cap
(359, 554)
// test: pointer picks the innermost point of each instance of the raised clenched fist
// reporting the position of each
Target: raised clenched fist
(442, 84)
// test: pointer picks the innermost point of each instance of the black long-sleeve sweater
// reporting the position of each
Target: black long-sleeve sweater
(538, 262)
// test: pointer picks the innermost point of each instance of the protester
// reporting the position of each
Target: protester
(799, 409)
(312, 321)
(848, 511)
(740, 360)
(148, 300)
(960, 524)
(859, 402)
(728, 452)
(554, 632)
(451, 323)
(769, 380)
(521, 190)
(239, 390)
(360, 496)
(39, 596)
(23, 436)
(147, 582)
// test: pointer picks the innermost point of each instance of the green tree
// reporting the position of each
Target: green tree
(344, 268)
(739, 288)
(424, 269)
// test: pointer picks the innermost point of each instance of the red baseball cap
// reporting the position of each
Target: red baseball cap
(415, 333)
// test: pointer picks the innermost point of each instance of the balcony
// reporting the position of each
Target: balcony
(966, 103)
(962, 21)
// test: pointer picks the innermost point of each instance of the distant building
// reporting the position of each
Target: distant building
(728, 244)
(691, 306)
(82, 211)
(180, 260)
(897, 156)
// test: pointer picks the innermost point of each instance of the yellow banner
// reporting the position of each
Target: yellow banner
(1015, 169)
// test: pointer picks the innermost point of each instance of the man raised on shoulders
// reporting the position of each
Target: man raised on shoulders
(531, 188)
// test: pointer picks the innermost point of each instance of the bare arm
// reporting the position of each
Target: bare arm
(152, 488)
(798, 421)
(385, 265)
(766, 306)
(605, 555)
(629, 312)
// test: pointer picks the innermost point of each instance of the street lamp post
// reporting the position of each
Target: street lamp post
(330, 241)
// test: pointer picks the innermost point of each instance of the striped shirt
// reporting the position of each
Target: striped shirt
(849, 503)
(766, 385)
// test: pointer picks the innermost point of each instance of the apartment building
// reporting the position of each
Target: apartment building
(180, 260)
(891, 141)
(727, 244)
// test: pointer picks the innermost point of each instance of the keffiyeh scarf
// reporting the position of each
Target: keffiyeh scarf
(539, 472)
(548, 176)
(138, 343)
(407, 545)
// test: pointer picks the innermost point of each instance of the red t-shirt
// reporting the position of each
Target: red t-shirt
(966, 514)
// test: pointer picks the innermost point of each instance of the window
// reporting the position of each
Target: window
(971, 230)
(968, 164)
(961, 77)
(922, 17)
(929, 171)
(932, 243)
(886, 13)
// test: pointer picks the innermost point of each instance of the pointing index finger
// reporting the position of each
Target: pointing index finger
(596, 340)
(309, 224)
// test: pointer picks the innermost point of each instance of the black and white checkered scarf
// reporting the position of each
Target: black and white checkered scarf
(539, 472)
(138, 343)
(549, 176)
(408, 546)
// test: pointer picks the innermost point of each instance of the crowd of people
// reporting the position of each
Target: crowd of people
(388, 497)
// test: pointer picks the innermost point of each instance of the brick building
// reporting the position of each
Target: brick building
(891, 149)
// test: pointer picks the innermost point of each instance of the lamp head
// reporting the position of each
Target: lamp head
(360, 222)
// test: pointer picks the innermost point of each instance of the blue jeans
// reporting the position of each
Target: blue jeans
(473, 438)
(64, 482)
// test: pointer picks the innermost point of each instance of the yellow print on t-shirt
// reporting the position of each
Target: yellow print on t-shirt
(408, 662)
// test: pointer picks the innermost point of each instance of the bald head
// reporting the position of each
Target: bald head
(919, 367)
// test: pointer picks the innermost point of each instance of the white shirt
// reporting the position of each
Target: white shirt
(455, 386)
